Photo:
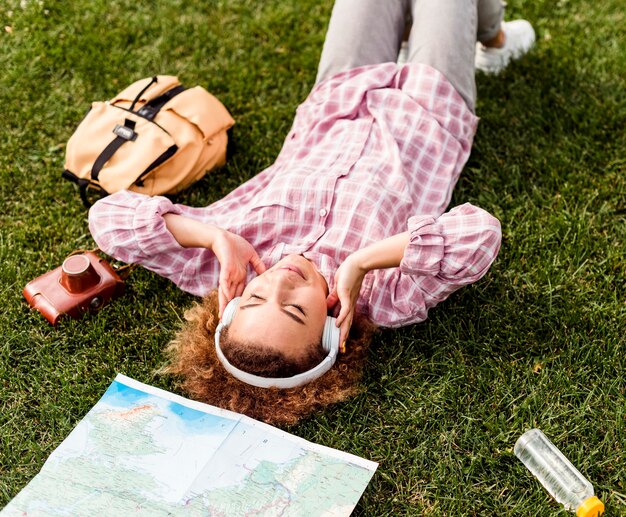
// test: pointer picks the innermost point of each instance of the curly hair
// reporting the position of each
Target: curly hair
(193, 359)
(258, 360)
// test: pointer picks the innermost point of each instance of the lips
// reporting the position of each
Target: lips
(294, 269)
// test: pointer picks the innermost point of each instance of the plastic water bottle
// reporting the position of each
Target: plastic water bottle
(568, 486)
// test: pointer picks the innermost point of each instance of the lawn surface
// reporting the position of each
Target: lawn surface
(539, 342)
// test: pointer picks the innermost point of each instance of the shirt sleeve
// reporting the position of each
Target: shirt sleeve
(443, 254)
(130, 227)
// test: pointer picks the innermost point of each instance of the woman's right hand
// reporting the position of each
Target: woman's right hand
(234, 253)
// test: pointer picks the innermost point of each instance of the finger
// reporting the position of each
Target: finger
(345, 329)
(223, 301)
(346, 306)
(257, 264)
(343, 314)
(332, 300)
(239, 289)
(227, 288)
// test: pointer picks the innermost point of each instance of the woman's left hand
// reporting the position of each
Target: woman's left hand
(348, 280)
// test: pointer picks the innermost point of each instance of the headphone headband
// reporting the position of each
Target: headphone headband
(330, 343)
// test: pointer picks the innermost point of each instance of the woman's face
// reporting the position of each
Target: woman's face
(284, 308)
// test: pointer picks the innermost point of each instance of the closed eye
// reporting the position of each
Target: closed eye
(299, 308)
(254, 296)
(257, 300)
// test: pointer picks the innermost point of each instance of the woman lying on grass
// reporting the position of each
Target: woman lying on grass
(350, 219)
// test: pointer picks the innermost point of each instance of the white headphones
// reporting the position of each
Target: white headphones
(330, 344)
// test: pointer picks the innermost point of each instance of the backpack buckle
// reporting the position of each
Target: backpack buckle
(148, 112)
(125, 132)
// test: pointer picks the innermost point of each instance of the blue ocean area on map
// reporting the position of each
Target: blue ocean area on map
(119, 394)
(123, 396)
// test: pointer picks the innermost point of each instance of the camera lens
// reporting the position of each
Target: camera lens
(78, 275)
(95, 302)
(75, 265)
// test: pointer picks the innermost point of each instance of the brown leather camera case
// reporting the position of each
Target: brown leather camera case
(84, 283)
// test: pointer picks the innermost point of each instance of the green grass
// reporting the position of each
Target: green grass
(538, 342)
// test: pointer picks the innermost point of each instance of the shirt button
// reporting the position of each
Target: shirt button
(323, 212)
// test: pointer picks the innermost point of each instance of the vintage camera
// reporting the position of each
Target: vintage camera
(84, 283)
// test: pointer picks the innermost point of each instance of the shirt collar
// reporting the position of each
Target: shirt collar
(325, 264)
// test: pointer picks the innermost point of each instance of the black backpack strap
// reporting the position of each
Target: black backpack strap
(124, 134)
(155, 79)
(150, 109)
(83, 186)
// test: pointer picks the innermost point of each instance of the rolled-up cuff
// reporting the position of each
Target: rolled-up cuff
(425, 249)
(149, 226)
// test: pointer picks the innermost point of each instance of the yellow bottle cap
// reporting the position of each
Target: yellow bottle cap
(591, 507)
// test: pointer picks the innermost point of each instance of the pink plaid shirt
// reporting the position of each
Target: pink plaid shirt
(373, 152)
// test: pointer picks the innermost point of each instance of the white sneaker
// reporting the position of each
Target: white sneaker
(519, 37)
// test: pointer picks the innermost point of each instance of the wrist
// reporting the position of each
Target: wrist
(382, 254)
(190, 233)
(211, 235)
(358, 261)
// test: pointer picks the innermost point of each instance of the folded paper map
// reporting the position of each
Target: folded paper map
(142, 451)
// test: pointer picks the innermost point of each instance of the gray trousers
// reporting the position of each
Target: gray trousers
(443, 35)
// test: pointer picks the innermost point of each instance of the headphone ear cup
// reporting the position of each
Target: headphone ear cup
(229, 311)
(330, 337)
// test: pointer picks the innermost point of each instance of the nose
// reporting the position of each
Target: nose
(280, 281)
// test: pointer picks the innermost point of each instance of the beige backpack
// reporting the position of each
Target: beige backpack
(155, 137)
